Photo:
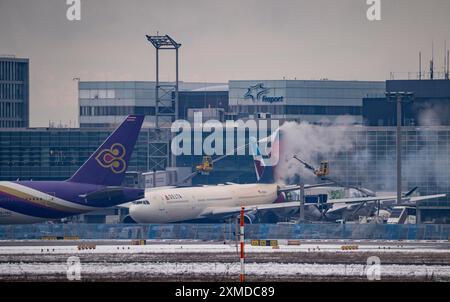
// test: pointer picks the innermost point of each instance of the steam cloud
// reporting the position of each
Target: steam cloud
(358, 164)
(311, 143)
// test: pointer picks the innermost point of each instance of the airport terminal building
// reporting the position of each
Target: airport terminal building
(105, 104)
(55, 153)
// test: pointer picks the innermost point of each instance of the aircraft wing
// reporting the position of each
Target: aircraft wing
(107, 195)
(289, 188)
(425, 197)
(225, 212)
(382, 198)
(160, 188)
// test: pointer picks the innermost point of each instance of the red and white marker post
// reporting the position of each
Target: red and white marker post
(242, 276)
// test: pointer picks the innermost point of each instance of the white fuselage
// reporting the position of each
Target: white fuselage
(182, 204)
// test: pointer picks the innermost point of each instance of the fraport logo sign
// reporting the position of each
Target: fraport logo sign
(258, 93)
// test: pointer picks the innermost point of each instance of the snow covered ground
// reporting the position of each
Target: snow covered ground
(217, 268)
(213, 260)
(218, 248)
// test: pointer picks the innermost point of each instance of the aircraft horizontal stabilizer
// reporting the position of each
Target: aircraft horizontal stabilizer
(109, 195)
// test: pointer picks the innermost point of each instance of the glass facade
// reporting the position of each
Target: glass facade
(425, 159)
(291, 111)
(115, 110)
(55, 154)
(105, 104)
(430, 105)
(14, 86)
(201, 99)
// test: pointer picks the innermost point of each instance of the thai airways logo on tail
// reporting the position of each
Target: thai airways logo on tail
(113, 158)
(108, 164)
(265, 162)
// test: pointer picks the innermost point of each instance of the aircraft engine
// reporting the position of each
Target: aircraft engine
(249, 217)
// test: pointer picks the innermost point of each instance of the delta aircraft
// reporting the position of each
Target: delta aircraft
(95, 185)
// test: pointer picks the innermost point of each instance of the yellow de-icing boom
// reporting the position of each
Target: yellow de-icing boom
(324, 169)
(206, 166)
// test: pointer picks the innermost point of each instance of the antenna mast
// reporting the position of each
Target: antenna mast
(420, 65)
(448, 65)
(431, 62)
(446, 59)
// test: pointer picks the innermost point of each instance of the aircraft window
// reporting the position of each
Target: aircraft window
(396, 213)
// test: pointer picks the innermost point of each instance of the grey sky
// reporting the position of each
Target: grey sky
(222, 40)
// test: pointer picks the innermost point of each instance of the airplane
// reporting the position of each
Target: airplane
(343, 211)
(348, 203)
(95, 185)
(224, 201)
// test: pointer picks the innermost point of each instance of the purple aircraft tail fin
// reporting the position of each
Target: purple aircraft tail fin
(108, 164)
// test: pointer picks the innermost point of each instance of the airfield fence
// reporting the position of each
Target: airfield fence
(227, 231)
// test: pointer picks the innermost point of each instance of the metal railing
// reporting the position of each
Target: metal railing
(227, 231)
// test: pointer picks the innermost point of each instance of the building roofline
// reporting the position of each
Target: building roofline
(13, 59)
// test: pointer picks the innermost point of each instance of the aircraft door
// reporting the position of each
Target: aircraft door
(52, 198)
(194, 203)
(161, 204)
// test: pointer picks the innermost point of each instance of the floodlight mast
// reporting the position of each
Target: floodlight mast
(166, 111)
(166, 95)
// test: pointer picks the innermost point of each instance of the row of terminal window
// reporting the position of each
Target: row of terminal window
(11, 124)
(298, 109)
(12, 91)
(115, 110)
(13, 71)
(11, 109)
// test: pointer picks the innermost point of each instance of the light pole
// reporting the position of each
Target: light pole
(78, 101)
(399, 98)
(302, 203)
